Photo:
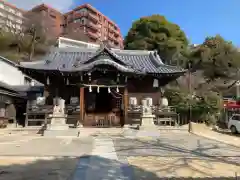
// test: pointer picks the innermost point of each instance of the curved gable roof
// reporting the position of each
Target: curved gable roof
(76, 59)
(8, 61)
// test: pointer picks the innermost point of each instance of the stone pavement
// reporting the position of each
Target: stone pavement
(102, 164)
(144, 156)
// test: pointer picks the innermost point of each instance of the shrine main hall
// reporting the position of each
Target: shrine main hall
(98, 86)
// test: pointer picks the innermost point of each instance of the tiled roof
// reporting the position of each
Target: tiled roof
(8, 90)
(83, 59)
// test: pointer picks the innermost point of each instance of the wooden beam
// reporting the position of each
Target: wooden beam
(125, 100)
(82, 108)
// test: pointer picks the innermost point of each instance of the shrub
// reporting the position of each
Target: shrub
(205, 107)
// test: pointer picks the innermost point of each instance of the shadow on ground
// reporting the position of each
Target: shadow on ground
(66, 168)
(203, 160)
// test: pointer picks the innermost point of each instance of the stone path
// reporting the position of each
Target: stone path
(102, 164)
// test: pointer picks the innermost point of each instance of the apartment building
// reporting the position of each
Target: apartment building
(96, 25)
(84, 19)
(11, 17)
(54, 18)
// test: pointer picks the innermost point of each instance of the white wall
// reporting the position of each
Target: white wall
(10, 74)
(65, 42)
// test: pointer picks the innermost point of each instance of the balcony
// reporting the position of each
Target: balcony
(115, 31)
(116, 35)
(93, 17)
(80, 14)
(93, 35)
(111, 37)
(116, 42)
(110, 29)
(92, 25)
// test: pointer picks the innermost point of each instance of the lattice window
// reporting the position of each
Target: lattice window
(118, 103)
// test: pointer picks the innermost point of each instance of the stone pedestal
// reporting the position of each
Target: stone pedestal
(147, 117)
(58, 126)
(148, 129)
(148, 120)
(58, 122)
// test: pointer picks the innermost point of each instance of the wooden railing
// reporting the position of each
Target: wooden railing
(102, 119)
(163, 116)
(37, 114)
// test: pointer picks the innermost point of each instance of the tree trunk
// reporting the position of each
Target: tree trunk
(32, 49)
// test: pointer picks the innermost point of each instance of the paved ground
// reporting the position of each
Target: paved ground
(116, 157)
(219, 135)
(179, 155)
(40, 146)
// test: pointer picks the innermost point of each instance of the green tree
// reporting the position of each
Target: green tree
(218, 58)
(156, 33)
(6, 39)
(7, 47)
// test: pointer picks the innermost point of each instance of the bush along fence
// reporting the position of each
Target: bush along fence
(200, 108)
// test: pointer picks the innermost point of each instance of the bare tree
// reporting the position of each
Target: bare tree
(37, 29)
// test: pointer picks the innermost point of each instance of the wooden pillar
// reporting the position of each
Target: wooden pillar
(81, 107)
(125, 100)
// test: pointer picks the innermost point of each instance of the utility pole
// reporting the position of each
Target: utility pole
(237, 86)
(190, 96)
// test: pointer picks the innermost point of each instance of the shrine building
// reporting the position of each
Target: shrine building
(97, 84)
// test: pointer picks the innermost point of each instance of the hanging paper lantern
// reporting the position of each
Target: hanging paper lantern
(81, 78)
(67, 81)
(117, 89)
(118, 78)
(126, 79)
(109, 91)
(238, 83)
(32, 83)
(155, 83)
(89, 76)
(98, 89)
(90, 88)
(48, 81)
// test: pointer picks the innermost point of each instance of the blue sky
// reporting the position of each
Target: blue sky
(198, 18)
